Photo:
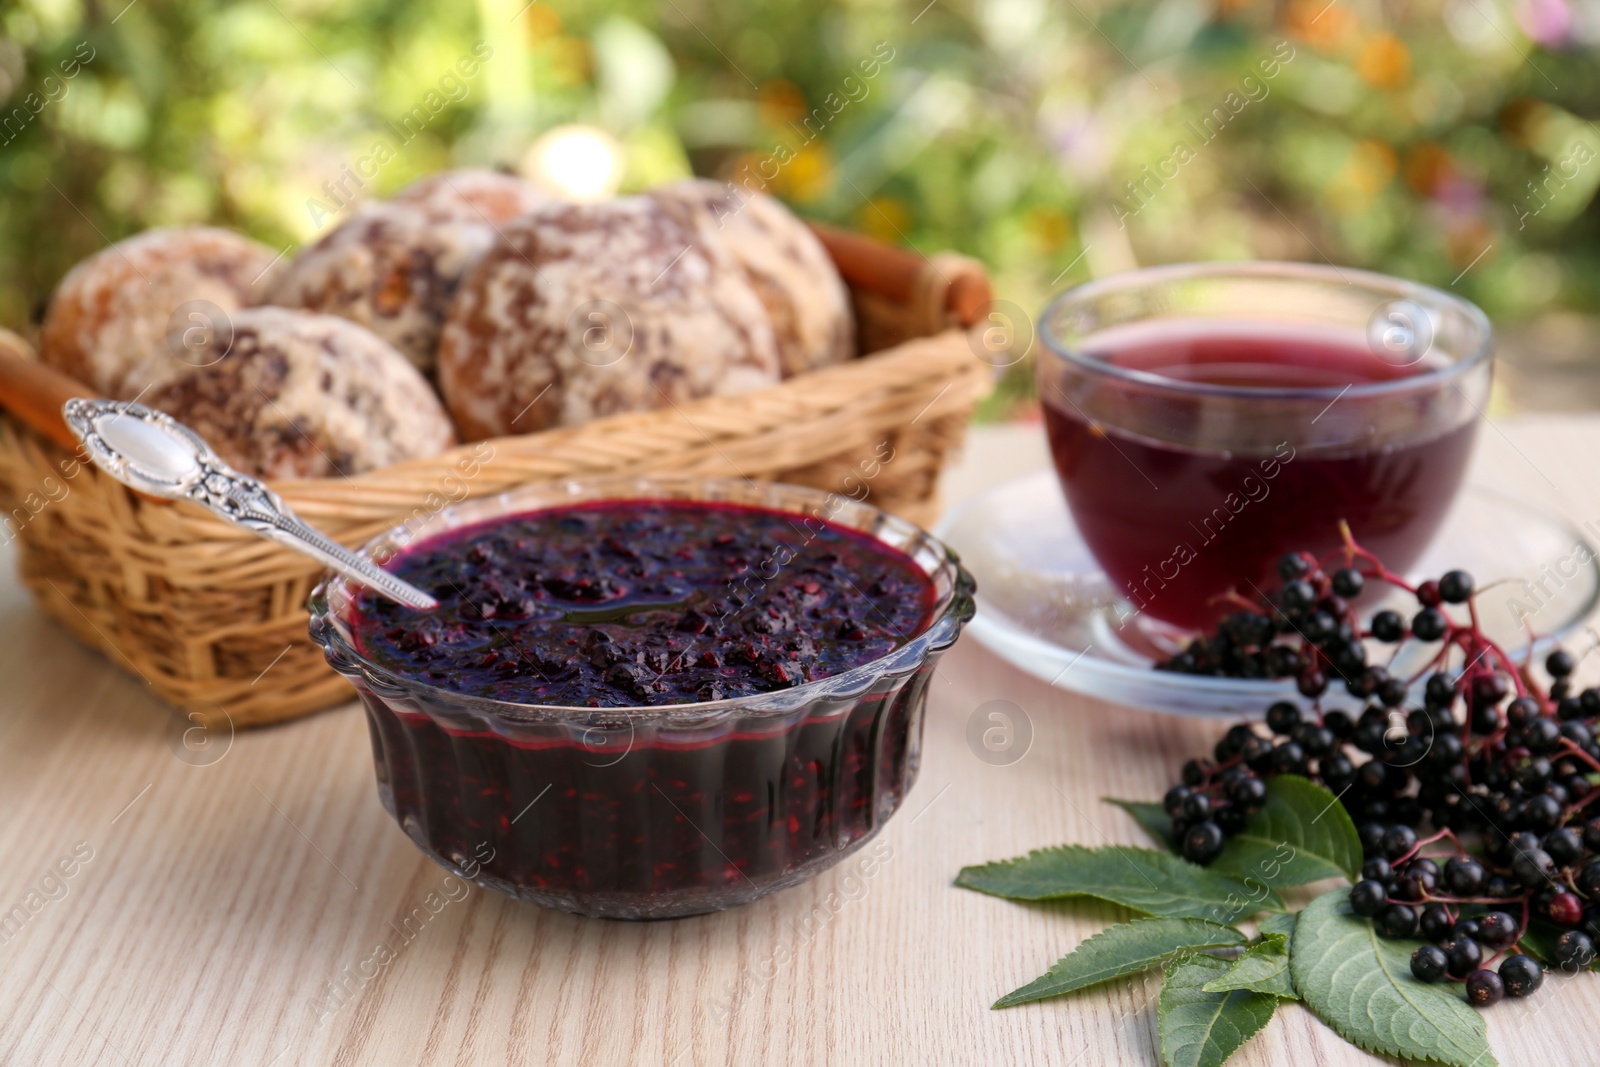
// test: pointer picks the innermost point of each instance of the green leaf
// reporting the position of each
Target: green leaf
(1201, 1029)
(1361, 986)
(1301, 834)
(1150, 816)
(1158, 883)
(1264, 968)
(1126, 948)
(1281, 923)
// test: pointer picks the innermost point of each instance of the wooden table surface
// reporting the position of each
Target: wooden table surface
(212, 904)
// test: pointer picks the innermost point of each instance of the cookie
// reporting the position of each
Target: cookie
(152, 307)
(393, 269)
(787, 266)
(585, 310)
(302, 395)
(473, 193)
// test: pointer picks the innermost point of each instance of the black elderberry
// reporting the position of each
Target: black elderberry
(1489, 688)
(1573, 951)
(1569, 709)
(1392, 693)
(1455, 587)
(1564, 846)
(1559, 663)
(1542, 812)
(1499, 886)
(1466, 928)
(1316, 741)
(1251, 792)
(1398, 920)
(1311, 683)
(1337, 771)
(1543, 736)
(1196, 807)
(1591, 834)
(1193, 774)
(1429, 624)
(1485, 719)
(1464, 956)
(1172, 803)
(1428, 964)
(1283, 717)
(1318, 627)
(1522, 711)
(1484, 989)
(1534, 774)
(1446, 751)
(1520, 975)
(1368, 897)
(1590, 699)
(1496, 929)
(1534, 868)
(1398, 840)
(1288, 758)
(1435, 923)
(1589, 879)
(1387, 626)
(1231, 819)
(1283, 661)
(1464, 876)
(1203, 842)
(1378, 870)
(1440, 690)
(1293, 566)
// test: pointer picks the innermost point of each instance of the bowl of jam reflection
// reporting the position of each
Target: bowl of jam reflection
(647, 698)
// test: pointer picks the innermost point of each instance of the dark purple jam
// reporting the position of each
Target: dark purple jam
(596, 606)
(629, 603)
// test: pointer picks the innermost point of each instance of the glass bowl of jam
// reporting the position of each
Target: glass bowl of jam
(647, 698)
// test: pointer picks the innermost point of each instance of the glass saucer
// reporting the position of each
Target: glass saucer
(1045, 606)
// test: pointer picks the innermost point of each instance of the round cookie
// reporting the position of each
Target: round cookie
(393, 269)
(787, 266)
(584, 310)
(472, 193)
(150, 308)
(301, 395)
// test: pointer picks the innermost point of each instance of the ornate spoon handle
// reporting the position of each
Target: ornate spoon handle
(155, 454)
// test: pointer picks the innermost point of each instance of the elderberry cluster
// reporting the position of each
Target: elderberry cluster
(1486, 757)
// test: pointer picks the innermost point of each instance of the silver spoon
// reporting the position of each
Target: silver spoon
(160, 456)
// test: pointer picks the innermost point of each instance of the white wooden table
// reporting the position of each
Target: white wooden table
(210, 907)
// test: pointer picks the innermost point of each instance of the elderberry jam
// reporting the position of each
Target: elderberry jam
(649, 698)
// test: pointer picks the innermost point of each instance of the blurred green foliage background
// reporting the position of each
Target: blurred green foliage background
(1445, 140)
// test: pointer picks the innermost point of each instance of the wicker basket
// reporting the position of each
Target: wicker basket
(212, 617)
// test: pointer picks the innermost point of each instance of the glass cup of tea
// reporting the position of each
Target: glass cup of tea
(1205, 419)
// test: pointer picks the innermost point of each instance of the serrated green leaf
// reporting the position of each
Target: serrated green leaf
(1158, 883)
(1301, 834)
(1264, 968)
(1282, 923)
(1361, 986)
(1151, 817)
(1201, 1029)
(1126, 948)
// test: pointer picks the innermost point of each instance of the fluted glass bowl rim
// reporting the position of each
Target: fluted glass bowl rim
(951, 611)
(1057, 350)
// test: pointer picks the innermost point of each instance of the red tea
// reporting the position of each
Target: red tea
(1175, 525)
